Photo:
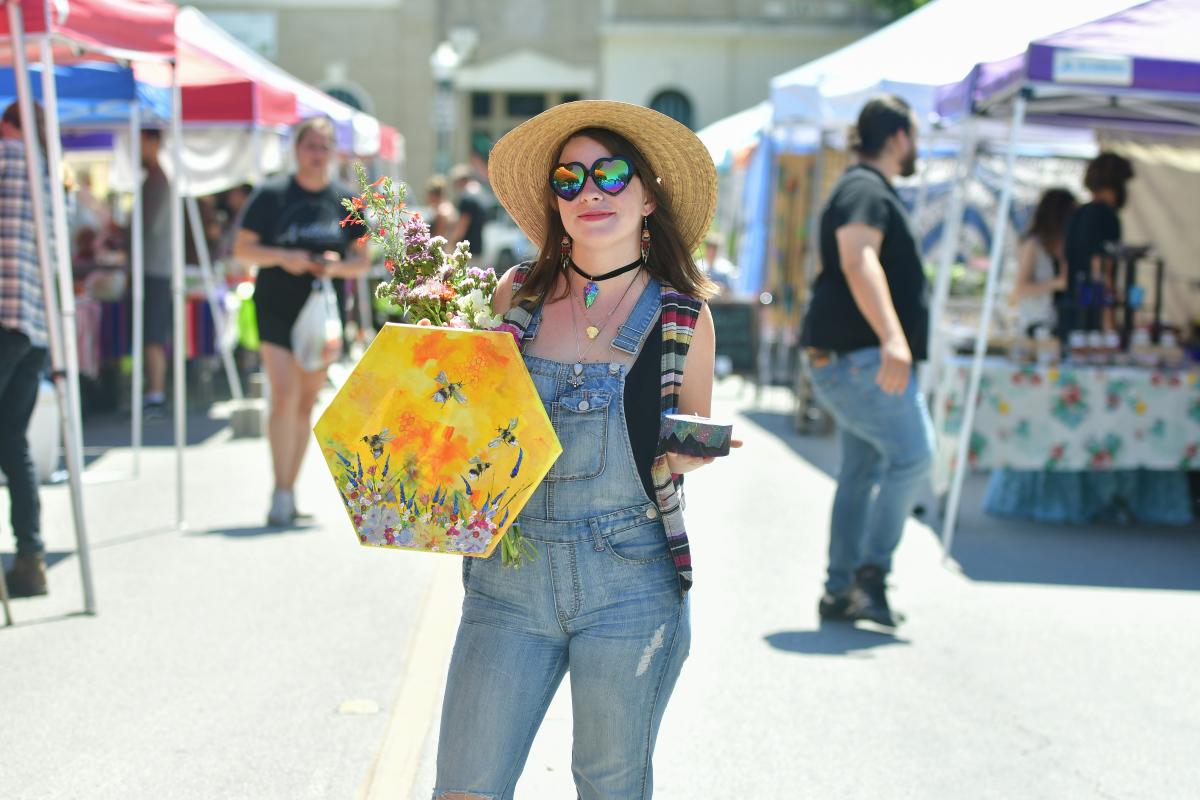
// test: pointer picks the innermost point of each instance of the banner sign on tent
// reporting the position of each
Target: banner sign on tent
(1098, 69)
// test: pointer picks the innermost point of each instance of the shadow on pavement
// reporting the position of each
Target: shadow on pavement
(51, 558)
(1017, 551)
(257, 530)
(820, 451)
(104, 431)
(832, 639)
(1011, 551)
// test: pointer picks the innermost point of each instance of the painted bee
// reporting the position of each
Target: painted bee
(377, 442)
(449, 389)
(478, 467)
(505, 435)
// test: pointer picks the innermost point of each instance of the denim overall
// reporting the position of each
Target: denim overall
(601, 599)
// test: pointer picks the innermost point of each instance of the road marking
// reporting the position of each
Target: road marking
(396, 761)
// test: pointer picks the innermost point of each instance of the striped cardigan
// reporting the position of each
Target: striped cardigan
(679, 315)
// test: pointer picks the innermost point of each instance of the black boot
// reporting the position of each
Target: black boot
(870, 598)
(837, 607)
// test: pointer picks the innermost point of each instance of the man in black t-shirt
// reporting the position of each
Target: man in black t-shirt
(866, 324)
(1088, 231)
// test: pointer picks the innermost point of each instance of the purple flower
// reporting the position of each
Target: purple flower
(508, 327)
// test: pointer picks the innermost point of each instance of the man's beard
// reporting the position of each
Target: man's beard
(908, 167)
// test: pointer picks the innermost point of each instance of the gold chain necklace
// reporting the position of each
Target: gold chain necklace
(576, 379)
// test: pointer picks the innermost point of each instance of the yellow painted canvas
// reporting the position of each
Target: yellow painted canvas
(437, 439)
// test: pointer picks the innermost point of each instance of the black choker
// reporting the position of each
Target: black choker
(590, 290)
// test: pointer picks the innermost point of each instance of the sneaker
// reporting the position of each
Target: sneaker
(283, 509)
(836, 606)
(27, 578)
(154, 410)
(870, 598)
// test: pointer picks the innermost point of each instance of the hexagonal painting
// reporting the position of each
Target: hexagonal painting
(436, 440)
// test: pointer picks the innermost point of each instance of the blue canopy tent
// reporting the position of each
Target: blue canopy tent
(95, 94)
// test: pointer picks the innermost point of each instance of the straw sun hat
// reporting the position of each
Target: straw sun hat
(520, 163)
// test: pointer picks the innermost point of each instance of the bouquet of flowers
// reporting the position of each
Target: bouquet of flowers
(427, 283)
(429, 468)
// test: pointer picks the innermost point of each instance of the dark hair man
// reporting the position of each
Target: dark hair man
(1089, 231)
(866, 325)
(23, 342)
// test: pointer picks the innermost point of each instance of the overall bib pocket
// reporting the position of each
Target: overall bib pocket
(581, 421)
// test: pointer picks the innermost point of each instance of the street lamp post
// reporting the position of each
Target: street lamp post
(442, 64)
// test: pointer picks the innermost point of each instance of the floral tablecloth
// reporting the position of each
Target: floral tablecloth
(1072, 418)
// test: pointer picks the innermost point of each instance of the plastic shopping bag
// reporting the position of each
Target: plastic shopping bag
(317, 332)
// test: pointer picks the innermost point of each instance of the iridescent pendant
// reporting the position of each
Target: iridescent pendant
(590, 292)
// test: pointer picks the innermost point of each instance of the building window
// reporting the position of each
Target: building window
(675, 105)
(347, 96)
(481, 105)
(524, 105)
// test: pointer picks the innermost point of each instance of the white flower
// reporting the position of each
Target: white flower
(472, 303)
(486, 320)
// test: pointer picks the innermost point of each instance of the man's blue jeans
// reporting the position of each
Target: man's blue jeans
(887, 450)
(20, 371)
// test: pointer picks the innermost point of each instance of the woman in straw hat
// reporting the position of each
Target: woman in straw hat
(618, 196)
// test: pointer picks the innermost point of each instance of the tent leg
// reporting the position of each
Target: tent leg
(951, 234)
(37, 186)
(214, 302)
(961, 464)
(177, 293)
(138, 279)
(66, 288)
(8, 620)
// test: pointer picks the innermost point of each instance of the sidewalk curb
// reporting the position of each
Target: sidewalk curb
(394, 768)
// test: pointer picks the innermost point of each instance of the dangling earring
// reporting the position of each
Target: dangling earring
(645, 239)
(565, 249)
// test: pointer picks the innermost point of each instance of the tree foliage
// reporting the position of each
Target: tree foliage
(899, 8)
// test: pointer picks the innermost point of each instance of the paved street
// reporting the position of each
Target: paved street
(227, 661)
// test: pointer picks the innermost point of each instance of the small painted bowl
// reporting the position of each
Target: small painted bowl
(695, 436)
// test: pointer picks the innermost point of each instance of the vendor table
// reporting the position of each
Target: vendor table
(1070, 418)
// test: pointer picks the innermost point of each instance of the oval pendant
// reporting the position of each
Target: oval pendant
(592, 331)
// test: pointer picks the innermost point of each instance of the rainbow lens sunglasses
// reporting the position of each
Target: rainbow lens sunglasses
(611, 175)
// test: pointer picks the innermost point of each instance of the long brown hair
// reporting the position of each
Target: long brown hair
(669, 260)
(1050, 218)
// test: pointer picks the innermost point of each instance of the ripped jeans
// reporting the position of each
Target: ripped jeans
(600, 600)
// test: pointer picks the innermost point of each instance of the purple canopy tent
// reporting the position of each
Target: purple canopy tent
(1138, 69)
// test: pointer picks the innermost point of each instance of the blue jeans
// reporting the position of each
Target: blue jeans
(887, 451)
(20, 373)
(600, 600)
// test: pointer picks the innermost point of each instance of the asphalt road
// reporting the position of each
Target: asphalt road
(233, 661)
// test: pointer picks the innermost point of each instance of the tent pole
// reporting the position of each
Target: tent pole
(813, 234)
(256, 153)
(951, 234)
(961, 464)
(137, 254)
(177, 292)
(62, 251)
(210, 289)
(37, 185)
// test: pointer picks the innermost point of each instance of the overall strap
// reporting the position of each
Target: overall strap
(640, 322)
(525, 313)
